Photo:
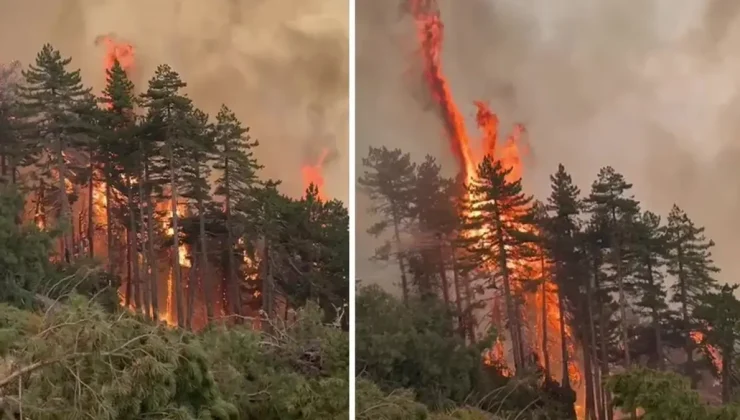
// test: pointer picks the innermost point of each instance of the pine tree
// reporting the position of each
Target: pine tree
(11, 150)
(649, 247)
(196, 171)
(49, 97)
(719, 313)
(389, 179)
(122, 158)
(238, 185)
(690, 263)
(503, 214)
(169, 112)
(436, 218)
(562, 233)
(614, 211)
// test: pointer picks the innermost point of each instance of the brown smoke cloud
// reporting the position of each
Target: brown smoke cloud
(650, 88)
(281, 66)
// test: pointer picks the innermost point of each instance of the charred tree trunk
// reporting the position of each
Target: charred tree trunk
(109, 223)
(176, 241)
(728, 355)
(268, 286)
(399, 256)
(205, 279)
(617, 249)
(591, 348)
(509, 299)
(458, 299)
(545, 338)
(133, 246)
(231, 278)
(192, 287)
(91, 212)
(152, 259)
(689, 342)
(146, 282)
(603, 334)
(563, 341)
(660, 363)
(443, 275)
(589, 385)
(129, 285)
(66, 214)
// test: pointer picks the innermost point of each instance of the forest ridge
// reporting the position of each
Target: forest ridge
(582, 288)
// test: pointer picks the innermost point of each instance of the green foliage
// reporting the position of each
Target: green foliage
(299, 371)
(413, 347)
(24, 253)
(663, 396)
(79, 361)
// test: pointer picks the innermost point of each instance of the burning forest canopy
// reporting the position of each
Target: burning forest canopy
(243, 53)
(170, 200)
(130, 220)
(587, 297)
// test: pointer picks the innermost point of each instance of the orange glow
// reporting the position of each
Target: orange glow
(714, 353)
(313, 174)
(117, 50)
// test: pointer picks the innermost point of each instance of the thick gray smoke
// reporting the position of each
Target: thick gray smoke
(649, 87)
(281, 66)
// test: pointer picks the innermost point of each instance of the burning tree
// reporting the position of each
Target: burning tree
(125, 179)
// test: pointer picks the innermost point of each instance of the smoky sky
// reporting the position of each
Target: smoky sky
(282, 66)
(649, 87)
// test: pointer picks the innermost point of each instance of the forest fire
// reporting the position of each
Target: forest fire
(124, 53)
(312, 173)
(541, 305)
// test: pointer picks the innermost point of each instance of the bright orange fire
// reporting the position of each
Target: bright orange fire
(313, 174)
(714, 353)
(117, 50)
(430, 31)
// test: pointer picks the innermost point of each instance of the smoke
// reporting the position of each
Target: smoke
(648, 87)
(281, 66)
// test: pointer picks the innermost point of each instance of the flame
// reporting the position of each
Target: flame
(313, 174)
(714, 352)
(117, 50)
(430, 32)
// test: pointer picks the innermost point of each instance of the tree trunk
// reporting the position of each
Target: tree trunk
(109, 223)
(443, 275)
(563, 341)
(129, 285)
(458, 299)
(545, 341)
(401, 263)
(145, 263)
(205, 279)
(176, 241)
(590, 402)
(133, 246)
(622, 304)
(91, 212)
(603, 334)
(192, 288)
(268, 297)
(660, 364)
(592, 348)
(689, 342)
(727, 358)
(511, 310)
(153, 263)
(231, 280)
(66, 215)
